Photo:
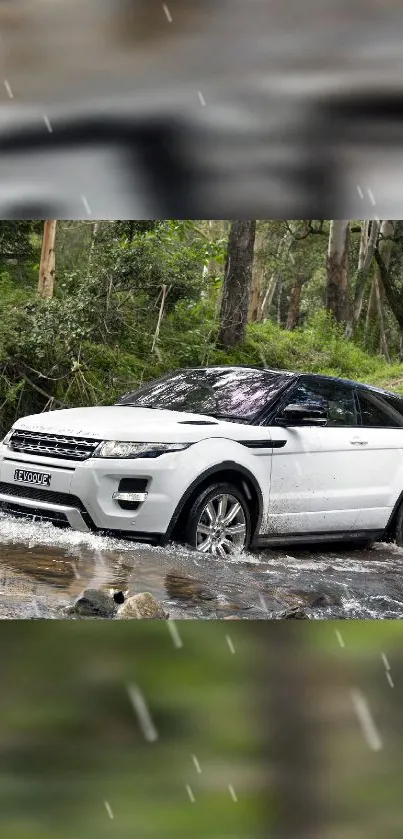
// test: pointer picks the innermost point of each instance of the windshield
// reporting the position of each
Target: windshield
(227, 393)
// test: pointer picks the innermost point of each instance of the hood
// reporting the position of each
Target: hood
(125, 423)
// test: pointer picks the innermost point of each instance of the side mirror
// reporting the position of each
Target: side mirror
(303, 414)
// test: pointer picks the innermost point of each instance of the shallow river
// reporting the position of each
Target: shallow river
(43, 569)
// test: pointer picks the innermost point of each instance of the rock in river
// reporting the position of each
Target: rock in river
(295, 613)
(142, 606)
(94, 603)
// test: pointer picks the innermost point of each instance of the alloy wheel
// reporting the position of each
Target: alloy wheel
(221, 529)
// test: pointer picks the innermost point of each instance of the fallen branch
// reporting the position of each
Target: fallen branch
(161, 312)
(43, 392)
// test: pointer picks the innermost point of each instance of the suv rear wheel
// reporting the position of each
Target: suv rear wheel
(397, 530)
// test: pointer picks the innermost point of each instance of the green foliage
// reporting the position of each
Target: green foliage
(95, 339)
(18, 239)
(320, 347)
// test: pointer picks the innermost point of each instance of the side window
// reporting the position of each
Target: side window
(376, 414)
(396, 402)
(338, 400)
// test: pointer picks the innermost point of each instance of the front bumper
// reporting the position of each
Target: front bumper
(80, 495)
(58, 513)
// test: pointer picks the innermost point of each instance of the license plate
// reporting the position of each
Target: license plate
(41, 479)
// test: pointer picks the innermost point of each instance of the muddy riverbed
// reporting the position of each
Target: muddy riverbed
(42, 570)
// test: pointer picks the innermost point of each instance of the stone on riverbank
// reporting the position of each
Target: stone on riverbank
(142, 606)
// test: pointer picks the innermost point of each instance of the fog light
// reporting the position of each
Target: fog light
(133, 497)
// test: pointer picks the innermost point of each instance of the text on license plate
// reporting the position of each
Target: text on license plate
(27, 477)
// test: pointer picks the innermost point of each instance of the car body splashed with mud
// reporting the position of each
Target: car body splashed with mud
(222, 459)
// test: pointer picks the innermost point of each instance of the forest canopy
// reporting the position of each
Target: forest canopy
(91, 309)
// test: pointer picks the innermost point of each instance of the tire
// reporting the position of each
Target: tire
(205, 529)
(397, 532)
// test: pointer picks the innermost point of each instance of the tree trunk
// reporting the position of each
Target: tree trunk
(372, 309)
(215, 230)
(237, 283)
(386, 244)
(377, 296)
(383, 341)
(393, 294)
(295, 304)
(46, 280)
(267, 297)
(255, 297)
(337, 270)
(368, 243)
(363, 244)
(267, 300)
(258, 272)
(279, 299)
(92, 246)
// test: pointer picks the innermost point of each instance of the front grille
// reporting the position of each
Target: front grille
(52, 445)
(35, 494)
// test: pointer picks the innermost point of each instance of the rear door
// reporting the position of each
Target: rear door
(320, 476)
(382, 427)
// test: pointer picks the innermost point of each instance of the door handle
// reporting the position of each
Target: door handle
(358, 442)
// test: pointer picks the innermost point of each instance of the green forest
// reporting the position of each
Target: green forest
(91, 309)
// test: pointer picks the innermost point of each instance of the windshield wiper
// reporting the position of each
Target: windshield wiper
(229, 417)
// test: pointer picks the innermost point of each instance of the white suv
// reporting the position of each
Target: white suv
(220, 458)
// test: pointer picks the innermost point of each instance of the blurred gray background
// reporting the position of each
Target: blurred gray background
(253, 108)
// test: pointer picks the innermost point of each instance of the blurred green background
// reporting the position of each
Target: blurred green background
(263, 730)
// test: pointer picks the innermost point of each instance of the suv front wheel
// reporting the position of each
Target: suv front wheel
(219, 521)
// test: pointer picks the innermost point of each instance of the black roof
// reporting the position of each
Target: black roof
(296, 374)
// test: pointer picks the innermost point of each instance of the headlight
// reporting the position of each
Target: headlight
(7, 438)
(113, 448)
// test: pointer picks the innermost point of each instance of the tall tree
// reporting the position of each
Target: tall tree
(369, 234)
(377, 295)
(237, 283)
(274, 285)
(337, 270)
(294, 308)
(389, 259)
(258, 272)
(46, 280)
(368, 241)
